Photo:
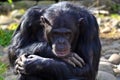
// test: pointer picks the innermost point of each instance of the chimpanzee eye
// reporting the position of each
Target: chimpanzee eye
(55, 34)
(67, 35)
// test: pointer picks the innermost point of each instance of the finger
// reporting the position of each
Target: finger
(76, 61)
(20, 63)
(70, 62)
(16, 61)
(23, 58)
(16, 70)
(19, 69)
(20, 60)
(79, 58)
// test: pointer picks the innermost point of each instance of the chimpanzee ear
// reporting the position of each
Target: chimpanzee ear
(82, 25)
(81, 21)
(44, 21)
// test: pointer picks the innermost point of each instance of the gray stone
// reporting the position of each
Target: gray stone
(114, 58)
(5, 20)
(118, 78)
(118, 67)
(107, 56)
(116, 71)
(106, 66)
(105, 30)
(110, 50)
(103, 59)
(12, 77)
(16, 14)
(105, 76)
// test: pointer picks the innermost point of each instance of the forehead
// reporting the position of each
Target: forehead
(58, 20)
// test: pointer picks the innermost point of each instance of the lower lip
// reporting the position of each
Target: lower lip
(62, 53)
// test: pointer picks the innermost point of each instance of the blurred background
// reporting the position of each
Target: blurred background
(107, 13)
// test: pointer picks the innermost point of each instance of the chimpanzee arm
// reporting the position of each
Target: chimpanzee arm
(89, 47)
(29, 36)
(43, 67)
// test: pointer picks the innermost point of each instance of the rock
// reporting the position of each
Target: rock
(114, 22)
(110, 49)
(5, 20)
(114, 58)
(3, 55)
(115, 44)
(9, 75)
(107, 56)
(118, 30)
(106, 66)
(105, 76)
(12, 77)
(103, 12)
(118, 67)
(4, 59)
(103, 59)
(105, 30)
(118, 25)
(116, 71)
(16, 14)
(118, 78)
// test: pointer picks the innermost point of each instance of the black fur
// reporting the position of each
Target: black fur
(29, 38)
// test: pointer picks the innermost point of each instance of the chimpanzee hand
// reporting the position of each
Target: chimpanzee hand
(75, 60)
(26, 63)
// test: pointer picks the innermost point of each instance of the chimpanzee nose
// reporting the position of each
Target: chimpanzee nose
(61, 41)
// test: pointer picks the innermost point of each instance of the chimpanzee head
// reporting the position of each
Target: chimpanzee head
(61, 30)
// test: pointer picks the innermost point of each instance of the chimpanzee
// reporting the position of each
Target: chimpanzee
(48, 40)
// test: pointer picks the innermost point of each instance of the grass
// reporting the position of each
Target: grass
(3, 69)
(5, 37)
(114, 16)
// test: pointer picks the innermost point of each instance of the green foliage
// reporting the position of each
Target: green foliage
(5, 37)
(117, 16)
(115, 8)
(1, 78)
(12, 26)
(10, 1)
(3, 69)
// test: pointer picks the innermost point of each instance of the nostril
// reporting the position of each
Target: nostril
(61, 41)
(61, 47)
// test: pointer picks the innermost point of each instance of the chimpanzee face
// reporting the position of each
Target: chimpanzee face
(59, 32)
(60, 39)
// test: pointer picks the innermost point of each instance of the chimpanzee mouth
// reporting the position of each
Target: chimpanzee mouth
(62, 53)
